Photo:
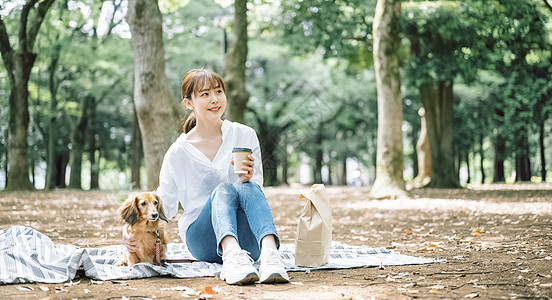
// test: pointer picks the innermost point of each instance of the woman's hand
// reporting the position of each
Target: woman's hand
(248, 166)
(130, 244)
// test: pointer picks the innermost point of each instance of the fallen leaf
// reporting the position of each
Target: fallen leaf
(472, 295)
(207, 290)
(433, 291)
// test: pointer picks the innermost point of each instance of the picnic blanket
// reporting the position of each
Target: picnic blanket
(27, 255)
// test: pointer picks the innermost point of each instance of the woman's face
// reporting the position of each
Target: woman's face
(208, 103)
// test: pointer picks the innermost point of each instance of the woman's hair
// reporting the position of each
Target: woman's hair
(192, 82)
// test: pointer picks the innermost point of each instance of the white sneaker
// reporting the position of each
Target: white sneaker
(237, 268)
(272, 268)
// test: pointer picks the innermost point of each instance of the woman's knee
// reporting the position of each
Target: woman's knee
(225, 191)
(250, 187)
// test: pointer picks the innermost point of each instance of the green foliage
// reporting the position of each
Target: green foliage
(308, 72)
(193, 40)
(309, 109)
(444, 40)
(341, 28)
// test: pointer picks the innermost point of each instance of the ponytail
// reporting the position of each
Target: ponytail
(190, 123)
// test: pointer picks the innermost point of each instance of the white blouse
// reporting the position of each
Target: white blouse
(189, 177)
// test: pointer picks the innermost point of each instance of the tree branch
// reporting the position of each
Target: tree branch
(6, 49)
(41, 11)
(23, 43)
(112, 23)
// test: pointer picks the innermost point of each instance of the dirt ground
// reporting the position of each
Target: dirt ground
(496, 239)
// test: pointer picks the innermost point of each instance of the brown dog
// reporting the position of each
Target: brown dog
(142, 214)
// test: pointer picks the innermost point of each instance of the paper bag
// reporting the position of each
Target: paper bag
(314, 231)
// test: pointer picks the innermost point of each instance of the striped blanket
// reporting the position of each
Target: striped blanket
(27, 255)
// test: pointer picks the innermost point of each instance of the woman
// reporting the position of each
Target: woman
(226, 216)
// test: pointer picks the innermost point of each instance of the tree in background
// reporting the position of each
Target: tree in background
(340, 31)
(19, 63)
(389, 169)
(434, 64)
(521, 45)
(158, 113)
(235, 65)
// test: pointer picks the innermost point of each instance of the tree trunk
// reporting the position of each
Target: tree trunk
(5, 167)
(424, 154)
(94, 165)
(32, 167)
(523, 165)
(468, 166)
(458, 163)
(318, 156)
(414, 156)
(542, 153)
(19, 63)
(285, 162)
(18, 175)
(438, 104)
(270, 157)
(52, 128)
(77, 143)
(156, 109)
(270, 162)
(330, 168)
(136, 146)
(235, 65)
(344, 172)
(481, 155)
(62, 160)
(389, 167)
(92, 148)
(500, 149)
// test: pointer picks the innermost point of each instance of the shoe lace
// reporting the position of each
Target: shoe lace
(241, 257)
(272, 259)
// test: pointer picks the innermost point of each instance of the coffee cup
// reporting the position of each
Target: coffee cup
(240, 154)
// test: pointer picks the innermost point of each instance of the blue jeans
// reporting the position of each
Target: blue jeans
(241, 212)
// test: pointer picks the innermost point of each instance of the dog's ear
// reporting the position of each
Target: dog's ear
(160, 209)
(129, 210)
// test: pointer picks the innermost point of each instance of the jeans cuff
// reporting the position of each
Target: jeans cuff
(222, 236)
